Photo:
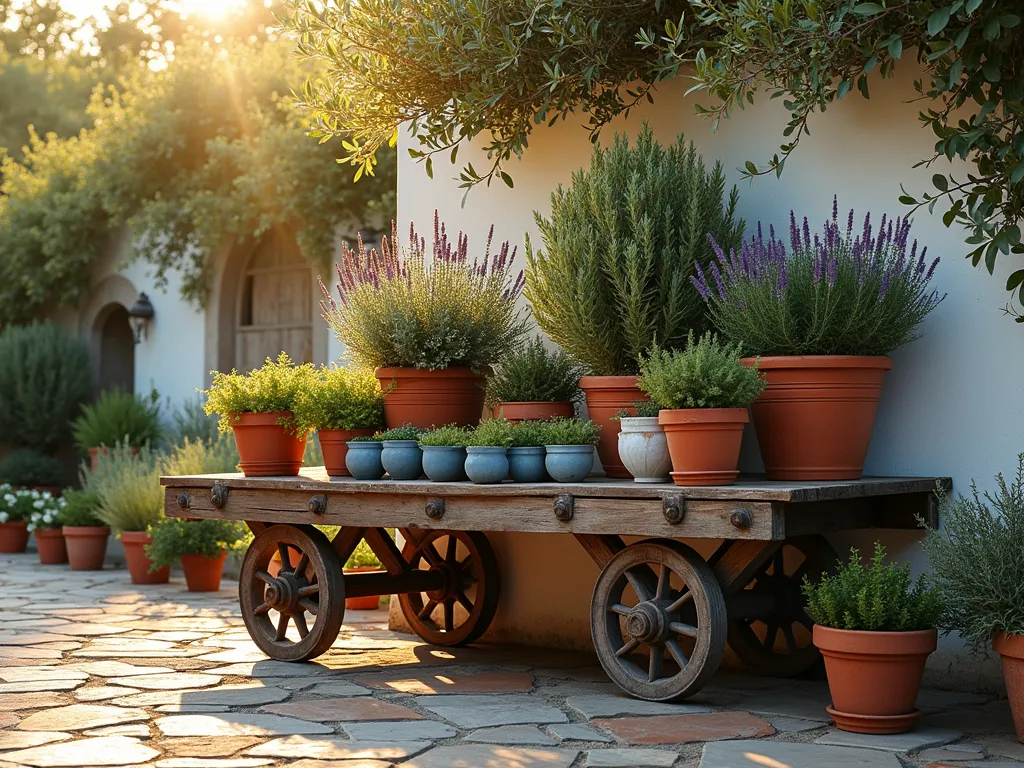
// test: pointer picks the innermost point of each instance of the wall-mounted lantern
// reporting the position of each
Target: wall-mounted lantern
(140, 316)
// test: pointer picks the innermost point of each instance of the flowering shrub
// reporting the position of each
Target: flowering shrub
(836, 293)
(40, 508)
(46, 512)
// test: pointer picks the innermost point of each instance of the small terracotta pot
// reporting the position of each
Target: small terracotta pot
(203, 574)
(86, 545)
(606, 396)
(333, 445)
(533, 411)
(265, 448)
(874, 677)
(1011, 649)
(139, 562)
(50, 543)
(367, 603)
(13, 536)
(814, 419)
(431, 398)
(704, 444)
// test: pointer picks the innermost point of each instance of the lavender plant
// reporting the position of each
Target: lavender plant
(838, 292)
(400, 308)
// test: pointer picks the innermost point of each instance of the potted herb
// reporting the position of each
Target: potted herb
(431, 323)
(45, 523)
(401, 454)
(533, 383)
(643, 448)
(117, 417)
(875, 627)
(362, 560)
(821, 319)
(487, 451)
(619, 246)
(259, 408)
(340, 404)
(85, 535)
(363, 458)
(977, 560)
(444, 453)
(15, 510)
(27, 468)
(526, 453)
(569, 449)
(705, 391)
(202, 546)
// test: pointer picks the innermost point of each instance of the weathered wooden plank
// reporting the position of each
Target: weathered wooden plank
(345, 542)
(900, 511)
(601, 548)
(736, 562)
(384, 548)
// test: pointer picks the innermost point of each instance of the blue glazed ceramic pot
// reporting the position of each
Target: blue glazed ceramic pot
(444, 463)
(526, 464)
(363, 459)
(569, 463)
(486, 463)
(403, 459)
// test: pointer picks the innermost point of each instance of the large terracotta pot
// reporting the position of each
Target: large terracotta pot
(606, 396)
(138, 561)
(814, 419)
(704, 444)
(87, 546)
(874, 677)
(431, 398)
(265, 448)
(367, 603)
(1011, 649)
(13, 536)
(50, 543)
(533, 411)
(333, 445)
(203, 574)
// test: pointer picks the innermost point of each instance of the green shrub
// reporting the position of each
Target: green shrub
(366, 438)
(44, 379)
(705, 374)
(190, 421)
(173, 538)
(272, 388)
(569, 432)
(645, 408)
(882, 598)
(446, 436)
(25, 467)
(978, 559)
(362, 556)
(81, 508)
(128, 485)
(495, 432)
(340, 398)
(406, 432)
(202, 457)
(621, 244)
(527, 434)
(118, 417)
(533, 374)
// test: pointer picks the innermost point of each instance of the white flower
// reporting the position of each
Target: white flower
(38, 503)
(3, 517)
(10, 498)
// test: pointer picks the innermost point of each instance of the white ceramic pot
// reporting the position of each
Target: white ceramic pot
(643, 449)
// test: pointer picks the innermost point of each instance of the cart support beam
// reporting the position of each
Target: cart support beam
(381, 583)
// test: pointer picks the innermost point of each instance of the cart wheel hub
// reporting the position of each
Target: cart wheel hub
(646, 622)
(281, 594)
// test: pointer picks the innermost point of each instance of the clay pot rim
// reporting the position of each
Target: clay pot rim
(335, 433)
(16, 523)
(453, 372)
(222, 556)
(501, 403)
(820, 361)
(85, 530)
(612, 382)
(676, 416)
(51, 532)
(260, 418)
(365, 568)
(868, 643)
(136, 537)
(1008, 644)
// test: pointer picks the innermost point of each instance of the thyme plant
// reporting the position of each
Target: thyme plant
(569, 432)
(450, 436)
(271, 388)
(533, 374)
(340, 398)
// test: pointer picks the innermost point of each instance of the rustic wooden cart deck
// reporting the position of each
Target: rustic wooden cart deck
(661, 615)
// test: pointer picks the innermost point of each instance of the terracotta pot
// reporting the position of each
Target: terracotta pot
(533, 411)
(265, 447)
(814, 420)
(139, 562)
(333, 445)
(431, 398)
(202, 574)
(606, 396)
(87, 546)
(368, 603)
(874, 677)
(13, 536)
(1011, 649)
(50, 543)
(704, 444)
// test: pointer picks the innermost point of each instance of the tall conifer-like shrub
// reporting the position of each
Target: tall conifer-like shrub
(619, 248)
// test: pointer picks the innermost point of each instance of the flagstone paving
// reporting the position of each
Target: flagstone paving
(97, 672)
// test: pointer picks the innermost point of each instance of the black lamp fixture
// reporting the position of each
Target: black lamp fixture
(140, 315)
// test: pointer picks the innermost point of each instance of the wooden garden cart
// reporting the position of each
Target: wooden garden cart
(661, 614)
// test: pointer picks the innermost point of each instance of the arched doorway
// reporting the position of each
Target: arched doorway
(112, 334)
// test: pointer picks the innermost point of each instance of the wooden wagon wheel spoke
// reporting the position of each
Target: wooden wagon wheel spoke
(682, 600)
(453, 545)
(300, 624)
(427, 609)
(282, 627)
(654, 665)
(282, 551)
(265, 577)
(631, 645)
(449, 614)
(262, 609)
(309, 589)
(464, 601)
(677, 653)
(683, 629)
(302, 565)
(310, 606)
(620, 609)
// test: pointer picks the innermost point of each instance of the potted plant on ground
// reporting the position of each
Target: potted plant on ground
(821, 319)
(26, 468)
(705, 391)
(45, 524)
(117, 417)
(363, 458)
(569, 449)
(526, 453)
(259, 408)
(340, 404)
(643, 447)
(444, 453)
(85, 535)
(362, 560)
(533, 383)
(487, 451)
(619, 246)
(202, 546)
(977, 559)
(431, 325)
(401, 454)
(15, 510)
(875, 627)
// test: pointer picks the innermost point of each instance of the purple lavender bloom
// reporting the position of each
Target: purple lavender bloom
(833, 266)
(884, 287)
(794, 233)
(931, 269)
(718, 280)
(782, 281)
(700, 282)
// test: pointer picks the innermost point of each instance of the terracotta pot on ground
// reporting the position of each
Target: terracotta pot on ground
(266, 448)
(139, 562)
(704, 444)
(50, 543)
(367, 603)
(533, 411)
(814, 419)
(874, 677)
(1011, 649)
(202, 573)
(431, 398)
(606, 396)
(13, 536)
(86, 545)
(333, 445)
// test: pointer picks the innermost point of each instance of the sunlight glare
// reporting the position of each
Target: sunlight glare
(215, 10)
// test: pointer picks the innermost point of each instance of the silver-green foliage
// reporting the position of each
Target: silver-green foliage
(128, 485)
(569, 432)
(620, 245)
(534, 374)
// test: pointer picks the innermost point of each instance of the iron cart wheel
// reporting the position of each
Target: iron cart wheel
(780, 645)
(658, 620)
(460, 612)
(296, 614)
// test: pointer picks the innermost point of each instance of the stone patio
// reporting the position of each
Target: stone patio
(97, 672)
